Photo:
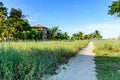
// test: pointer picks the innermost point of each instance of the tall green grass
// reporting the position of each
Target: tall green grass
(32, 60)
(107, 59)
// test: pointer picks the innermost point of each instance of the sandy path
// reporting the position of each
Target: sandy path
(80, 67)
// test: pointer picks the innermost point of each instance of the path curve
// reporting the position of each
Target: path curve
(80, 67)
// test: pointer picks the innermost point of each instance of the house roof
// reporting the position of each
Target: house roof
(38, 26)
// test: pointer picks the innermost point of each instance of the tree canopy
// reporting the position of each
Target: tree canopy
(82, 36)
(114, 8)
(15, 26)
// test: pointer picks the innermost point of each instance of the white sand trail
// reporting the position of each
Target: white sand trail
(80, 67)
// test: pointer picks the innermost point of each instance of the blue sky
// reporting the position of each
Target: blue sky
(70, 15)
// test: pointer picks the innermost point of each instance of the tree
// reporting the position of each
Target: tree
(86, 36)
(62, 36)
(78, 36)
(82, 36)
(114, 8)
(97, 35)
(35, 34)
(65, 35)
(119, 37)
(56, 34)
(13, 25)
(16, 13)
(21, 25)
(90, 36)
(75, 36)
(3, 11)
(1, 4)
(3, 16)
(53, 32)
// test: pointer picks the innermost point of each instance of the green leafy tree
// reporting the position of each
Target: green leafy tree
(3, 11)
(56, 34)
(97, 35)
(91, 36)
(82, 36)
(75, 36)
(86, 36)
(53, 32)
(35, 34)
(114, 8)
(15, 25)
(66, 36)
(3, 16)
(20, 24)
(78, 36)
(62, 36)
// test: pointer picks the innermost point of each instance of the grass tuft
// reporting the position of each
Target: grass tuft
(107, 59)
(32, 60)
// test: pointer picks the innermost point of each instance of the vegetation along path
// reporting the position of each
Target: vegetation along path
(80, 67)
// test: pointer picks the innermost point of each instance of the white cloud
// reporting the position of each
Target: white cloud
(107, 29)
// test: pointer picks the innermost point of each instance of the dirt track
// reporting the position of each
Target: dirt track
(80, 67)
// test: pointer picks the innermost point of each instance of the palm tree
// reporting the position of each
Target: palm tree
(53, 32)
(86, 36)
(97, 34)
(78, 36)
(65, 35)
(81, 35)
(75, 36)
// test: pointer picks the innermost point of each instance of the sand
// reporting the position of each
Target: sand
(80, 67)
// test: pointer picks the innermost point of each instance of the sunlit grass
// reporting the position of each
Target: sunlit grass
(31, 60)
(107, 59)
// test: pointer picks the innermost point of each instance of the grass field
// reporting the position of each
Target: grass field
(31, 60)
(107, 59)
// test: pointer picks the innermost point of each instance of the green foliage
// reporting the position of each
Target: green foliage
(56, 34)
(81, 36)
(114, 8)
(35, 34)
(20, 24)
(1, 4)
(78, 36)
(32, 60)
(14, 13)
(13, 25)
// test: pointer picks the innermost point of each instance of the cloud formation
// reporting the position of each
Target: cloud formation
(107, 29)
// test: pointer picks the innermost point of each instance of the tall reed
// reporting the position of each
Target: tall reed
(32, 60)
